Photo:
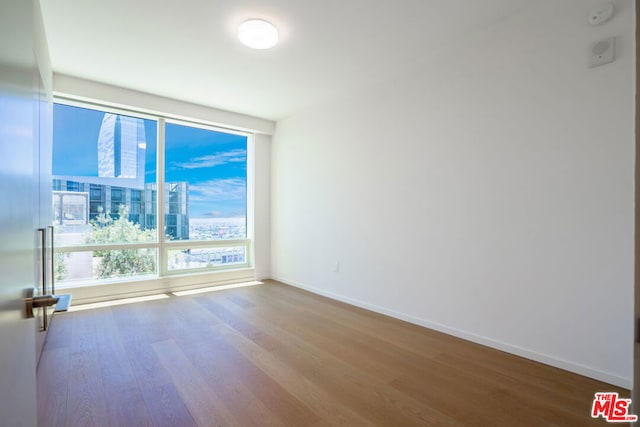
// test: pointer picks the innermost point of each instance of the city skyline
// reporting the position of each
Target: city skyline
(212, 162)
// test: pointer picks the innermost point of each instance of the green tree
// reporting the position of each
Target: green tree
(60, 266)
(121, 262)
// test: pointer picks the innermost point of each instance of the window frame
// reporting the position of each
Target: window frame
(163, 245)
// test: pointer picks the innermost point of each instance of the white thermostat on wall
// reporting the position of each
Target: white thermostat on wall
(601, 14)
(602, 52)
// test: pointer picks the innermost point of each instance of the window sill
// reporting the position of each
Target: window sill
(134, 287)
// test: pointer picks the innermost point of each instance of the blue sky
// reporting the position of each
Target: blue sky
(214, 163)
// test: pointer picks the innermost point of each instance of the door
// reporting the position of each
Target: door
(19, 192)
(44, 270)
(635, 394)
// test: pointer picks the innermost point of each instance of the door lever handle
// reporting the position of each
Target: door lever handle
(39, 302)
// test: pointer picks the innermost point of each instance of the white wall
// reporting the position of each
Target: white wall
(262, 203)
(91, 91)
(488, 195)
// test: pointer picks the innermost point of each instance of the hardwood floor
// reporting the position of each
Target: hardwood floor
(275, 355)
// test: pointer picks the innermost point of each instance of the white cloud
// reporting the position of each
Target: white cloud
(218, 190)
(233, 156)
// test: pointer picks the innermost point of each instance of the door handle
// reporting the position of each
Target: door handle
(43, 255)
(32, 302)
(53, 262)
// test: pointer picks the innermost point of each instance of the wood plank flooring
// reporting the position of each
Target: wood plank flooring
(273, 355)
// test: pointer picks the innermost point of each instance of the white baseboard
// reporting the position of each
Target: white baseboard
(577, 368)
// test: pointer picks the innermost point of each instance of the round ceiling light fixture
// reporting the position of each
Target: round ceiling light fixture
(258, 34)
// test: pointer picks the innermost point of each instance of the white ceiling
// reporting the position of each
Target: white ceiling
(188, 49)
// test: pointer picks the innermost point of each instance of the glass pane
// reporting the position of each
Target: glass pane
(75, 268)
(104, 173)
(205, 184)
(185, 259)
(70, 207)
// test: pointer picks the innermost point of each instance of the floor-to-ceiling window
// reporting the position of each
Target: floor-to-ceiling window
(137, 195)
(213, 166)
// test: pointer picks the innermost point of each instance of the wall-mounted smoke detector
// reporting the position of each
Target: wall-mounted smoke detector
(601, 14)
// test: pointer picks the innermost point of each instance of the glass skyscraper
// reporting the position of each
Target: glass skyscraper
(121, 148)
(120, 182)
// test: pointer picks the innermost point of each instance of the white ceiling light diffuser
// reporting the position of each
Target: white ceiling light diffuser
(258, 34)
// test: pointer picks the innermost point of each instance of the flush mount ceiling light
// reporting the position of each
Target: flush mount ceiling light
(258, 34)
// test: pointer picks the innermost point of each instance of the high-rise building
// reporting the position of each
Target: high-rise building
(121, 148)
(120, 182)
(79, 200)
